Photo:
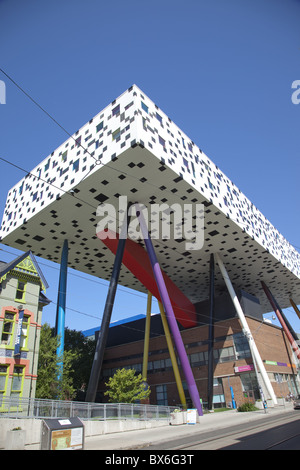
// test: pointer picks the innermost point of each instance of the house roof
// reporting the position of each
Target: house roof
(6, 267)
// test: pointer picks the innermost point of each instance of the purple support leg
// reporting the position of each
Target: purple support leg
(170, 315)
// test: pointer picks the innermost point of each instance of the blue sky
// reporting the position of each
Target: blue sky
(222, 70)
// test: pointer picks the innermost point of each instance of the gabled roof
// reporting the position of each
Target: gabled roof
(5, 268)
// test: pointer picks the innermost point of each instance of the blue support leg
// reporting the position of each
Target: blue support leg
(61, 307)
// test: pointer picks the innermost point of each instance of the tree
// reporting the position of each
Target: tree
(48, 383)
(84, 348)
(126, 387)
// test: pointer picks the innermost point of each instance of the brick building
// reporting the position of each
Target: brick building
(233, 363)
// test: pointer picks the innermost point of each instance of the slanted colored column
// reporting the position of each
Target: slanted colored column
(295, 307)
(147, 337)
(210, 379)
(280, 317)
(246, 329)
(61, 307)
(170, 315)
(103, 333)
(172, 356)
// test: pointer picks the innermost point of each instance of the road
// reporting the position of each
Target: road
(269, 433)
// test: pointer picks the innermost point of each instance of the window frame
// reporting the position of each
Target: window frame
(116, 134)
(24, 337)
(3, 391)
(10, 344)
(17, 391)
(161, 390)
(22, 299)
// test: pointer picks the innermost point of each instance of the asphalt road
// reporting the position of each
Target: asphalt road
(270, 433)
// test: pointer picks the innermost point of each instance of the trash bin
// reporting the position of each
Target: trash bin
(62, 434)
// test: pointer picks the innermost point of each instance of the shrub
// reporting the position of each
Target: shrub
(247, 407)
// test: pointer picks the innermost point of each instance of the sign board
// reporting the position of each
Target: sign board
(62, 434)
(191, 416)
(19, 333)
(243, 368)
(67, 439)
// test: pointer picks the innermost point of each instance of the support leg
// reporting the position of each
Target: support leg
(61, 307)
(103, 333)
(295, 307)
(210, 378)
(282, 320)
(246, 330)
(172, 356)
(147, 337)
(170, 315)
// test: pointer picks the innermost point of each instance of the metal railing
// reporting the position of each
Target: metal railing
(41, 408)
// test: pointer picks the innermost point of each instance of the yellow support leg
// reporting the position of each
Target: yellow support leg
(295, 307)
(147, 336)
(172, 356)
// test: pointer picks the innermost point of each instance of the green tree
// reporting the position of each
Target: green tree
(48, 384)
(84, 348)
(126, 387)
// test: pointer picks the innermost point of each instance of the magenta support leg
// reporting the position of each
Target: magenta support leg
(170, 315)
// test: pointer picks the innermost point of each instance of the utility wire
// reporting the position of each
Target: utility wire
(39, 106)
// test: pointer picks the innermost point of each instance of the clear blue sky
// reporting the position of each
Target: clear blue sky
(222, 70)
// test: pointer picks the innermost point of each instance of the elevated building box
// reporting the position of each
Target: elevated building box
(132, 150)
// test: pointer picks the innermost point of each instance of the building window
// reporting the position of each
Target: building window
(226, 355)
(144, 107)
(250, 385)
(21, 289)
(116, 134)
(161, 395)
(186, 163)
(8, 329)
(3, 381)
(17, 382)
(76, 165)
(116, 110)
(47, 165)
(25, 332)
(199, 359)
(158, 117)
(241, 346)
(99, 127)
(162, 141)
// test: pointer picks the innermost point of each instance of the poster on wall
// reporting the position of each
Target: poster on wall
(67, 439)
(19, 332)
(191, 417)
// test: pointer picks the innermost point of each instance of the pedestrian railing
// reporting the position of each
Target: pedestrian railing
(43, 408)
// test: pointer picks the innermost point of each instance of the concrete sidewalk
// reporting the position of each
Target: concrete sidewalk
(140, 439)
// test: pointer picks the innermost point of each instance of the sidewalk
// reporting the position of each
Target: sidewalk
(140, 439)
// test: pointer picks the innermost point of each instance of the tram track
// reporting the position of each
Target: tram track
(248, 436)
(283, 441)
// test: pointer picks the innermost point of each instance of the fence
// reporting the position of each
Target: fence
(40, 408)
